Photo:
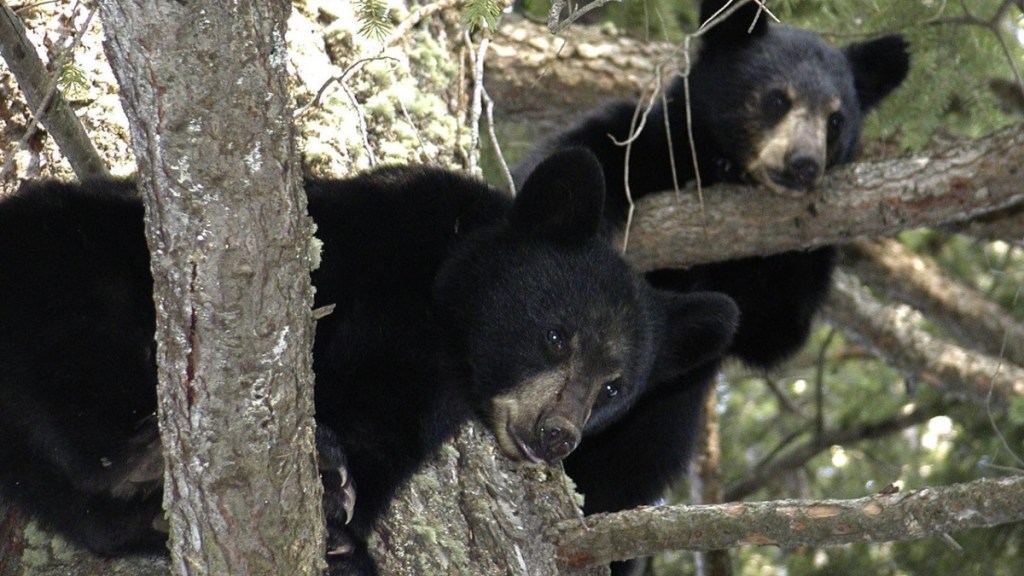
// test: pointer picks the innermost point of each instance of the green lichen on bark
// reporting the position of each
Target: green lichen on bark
(392, 100)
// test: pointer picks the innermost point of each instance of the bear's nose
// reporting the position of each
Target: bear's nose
(558, 439)
(804, 171)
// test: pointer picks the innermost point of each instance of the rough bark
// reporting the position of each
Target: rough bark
(27, 550)
(544, 81)
(471, 511)
(793, 523)
(896, 271)
(40, 89)
(866, 199)
(204, 87)
(893, 332)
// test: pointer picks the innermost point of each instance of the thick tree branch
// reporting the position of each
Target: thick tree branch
(866, 199)
(793, 523)
(1006, 224)
(899, 273)
(893, 333)
(43, 97)
(477, 513)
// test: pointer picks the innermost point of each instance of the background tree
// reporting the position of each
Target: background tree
(835, 422)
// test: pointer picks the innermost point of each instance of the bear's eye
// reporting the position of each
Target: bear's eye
(611, 389)
(556, 343)
(775, 104)
(836, 120)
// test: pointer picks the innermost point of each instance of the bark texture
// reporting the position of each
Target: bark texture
(794, 523)
(471, 511)
(204, 87)
(866, 199)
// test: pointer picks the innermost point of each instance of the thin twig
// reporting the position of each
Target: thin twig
(634, 133)
(493, 136)
(555, 13)
(991, 391)
(476, 58)
(689, 135)
(725, 11)
(340, 78)
(819, 385)
(992, 24)
(777, 462)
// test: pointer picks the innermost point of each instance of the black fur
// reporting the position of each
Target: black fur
(446, 294)
(736, 85)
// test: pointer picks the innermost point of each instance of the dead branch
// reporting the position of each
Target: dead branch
(1007, 224)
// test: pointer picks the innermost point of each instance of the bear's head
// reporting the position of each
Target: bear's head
(780, 104)
(556, 335)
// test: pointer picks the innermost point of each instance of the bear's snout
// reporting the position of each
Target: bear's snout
(558, 438)
(802, 172)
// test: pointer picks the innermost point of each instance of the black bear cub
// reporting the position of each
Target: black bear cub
(770, 104)
(452, 301)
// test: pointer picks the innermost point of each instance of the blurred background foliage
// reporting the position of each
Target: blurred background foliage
(964, 82)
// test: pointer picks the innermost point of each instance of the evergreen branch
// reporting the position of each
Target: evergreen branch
(482, 14)
(373, 19)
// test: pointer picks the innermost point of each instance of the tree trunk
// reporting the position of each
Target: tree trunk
(204, 86)
(706, 483)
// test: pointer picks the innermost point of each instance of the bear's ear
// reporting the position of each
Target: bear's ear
(697, 327)
(744, 23)
(879, 66)
(563, 198)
